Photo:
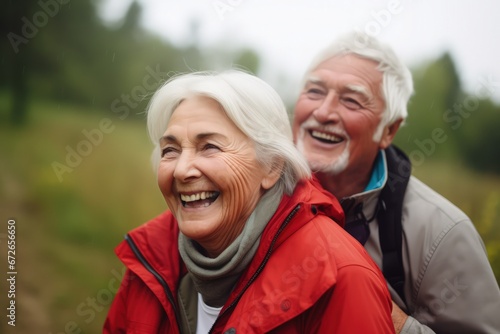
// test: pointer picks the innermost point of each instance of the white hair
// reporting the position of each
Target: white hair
(397, 84)
(253, 106)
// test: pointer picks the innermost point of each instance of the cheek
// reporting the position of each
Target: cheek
(242, 179)
(359, 126)
(240, 204)
(300, 114)
(236, 178)
(303, 109)
(164, 179)
(354, 128)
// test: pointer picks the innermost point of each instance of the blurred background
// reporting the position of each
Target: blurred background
(76, 77)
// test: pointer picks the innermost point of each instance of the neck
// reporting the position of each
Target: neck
(215, 277)
(214, 245)
(346, 183)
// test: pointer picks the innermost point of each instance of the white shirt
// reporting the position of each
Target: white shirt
(206, 316)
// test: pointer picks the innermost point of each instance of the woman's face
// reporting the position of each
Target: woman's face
(209, 174)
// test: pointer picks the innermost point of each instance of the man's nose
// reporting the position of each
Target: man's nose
(327, 110)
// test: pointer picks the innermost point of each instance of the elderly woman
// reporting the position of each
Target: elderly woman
(250, 244)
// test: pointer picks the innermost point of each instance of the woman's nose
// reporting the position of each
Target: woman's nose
(185, 167)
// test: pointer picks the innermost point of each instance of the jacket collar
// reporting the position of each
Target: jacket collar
(366, 201)
(157, 243)
(157, 240)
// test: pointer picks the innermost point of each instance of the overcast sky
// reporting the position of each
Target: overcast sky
(288, 33)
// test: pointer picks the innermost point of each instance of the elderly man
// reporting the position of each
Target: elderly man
(352, 102)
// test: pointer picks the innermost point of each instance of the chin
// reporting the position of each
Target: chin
(335, 167)
(195, 230)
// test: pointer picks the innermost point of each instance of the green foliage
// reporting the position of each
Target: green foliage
(479, 137)
(447, 123)
(76, 58)
(250, 60)
(67, 230)
(77, 71)
(436, 86)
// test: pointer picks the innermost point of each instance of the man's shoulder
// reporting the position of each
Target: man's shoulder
(425, 205)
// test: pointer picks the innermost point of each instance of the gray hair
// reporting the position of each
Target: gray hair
(253, 106)
(397, 84)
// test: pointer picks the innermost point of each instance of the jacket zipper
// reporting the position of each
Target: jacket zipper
(261, 267)
(160, 279)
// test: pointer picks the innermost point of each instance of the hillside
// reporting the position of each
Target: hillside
(69, 222)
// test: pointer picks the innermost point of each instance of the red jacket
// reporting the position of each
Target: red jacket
(307, 276)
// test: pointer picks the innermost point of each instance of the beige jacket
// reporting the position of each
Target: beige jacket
(449, 284)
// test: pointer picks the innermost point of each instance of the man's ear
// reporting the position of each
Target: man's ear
(389, 133)
(273, 174)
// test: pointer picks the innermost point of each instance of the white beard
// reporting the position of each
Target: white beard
(333, 167)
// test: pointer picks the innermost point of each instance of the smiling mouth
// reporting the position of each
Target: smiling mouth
(324, 137)
(199, 200)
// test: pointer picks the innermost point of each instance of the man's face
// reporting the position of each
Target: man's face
(338, 113)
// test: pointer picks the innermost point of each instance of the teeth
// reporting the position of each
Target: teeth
(196, 197)
(326, 136)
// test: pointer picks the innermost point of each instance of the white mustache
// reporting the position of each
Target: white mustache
(311, 123)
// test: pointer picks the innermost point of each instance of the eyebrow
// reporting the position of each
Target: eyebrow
(166, 139)
(200, 136)
(315, 80)
(361, 90)
(350, 87)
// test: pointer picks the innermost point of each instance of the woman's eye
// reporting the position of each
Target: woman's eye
(167, 151)
(211, 147)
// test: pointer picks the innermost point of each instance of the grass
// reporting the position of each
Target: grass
(66, 230)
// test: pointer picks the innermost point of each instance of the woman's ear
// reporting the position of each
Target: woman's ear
(389, 133)
(273, 174)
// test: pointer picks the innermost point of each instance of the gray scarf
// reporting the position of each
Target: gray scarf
(214, 278)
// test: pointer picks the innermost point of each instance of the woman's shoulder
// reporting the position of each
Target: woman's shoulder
(155, 240)
(323, 238)
(161, 224)
(154, 234)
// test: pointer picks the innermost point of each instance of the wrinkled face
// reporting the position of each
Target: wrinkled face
(209, 174)
(338, 113)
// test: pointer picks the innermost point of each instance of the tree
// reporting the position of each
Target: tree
(17, 29)
(479, 137)
(437, 88)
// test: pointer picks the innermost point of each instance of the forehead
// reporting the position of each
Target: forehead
(200, 114)
(348, 68)
(197, 109)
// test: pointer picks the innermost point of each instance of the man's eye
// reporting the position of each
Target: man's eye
(314, 92)
(351, 103)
